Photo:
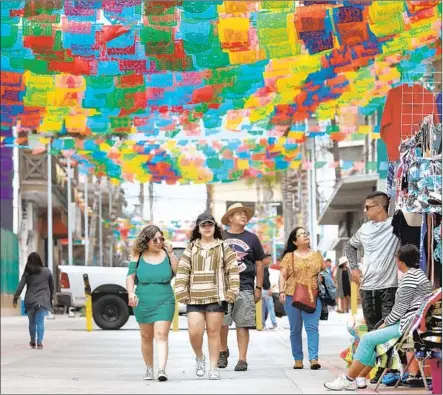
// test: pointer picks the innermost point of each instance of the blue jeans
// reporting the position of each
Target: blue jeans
(296, 319)
(268, 306)
(36, 318)
(366, 348)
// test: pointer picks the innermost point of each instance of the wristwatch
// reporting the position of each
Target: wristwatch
(260, 288)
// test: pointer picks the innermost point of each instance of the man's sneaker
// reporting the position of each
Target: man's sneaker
(39, 346)
(242, 366)
(361, 382)
(214, 374)
(415, 381)
(162, 376)
(223, 359)
(341, 383)
(149, 375)
(32, 345)
(200, 366)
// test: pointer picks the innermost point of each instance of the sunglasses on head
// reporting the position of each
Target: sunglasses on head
(158, 240)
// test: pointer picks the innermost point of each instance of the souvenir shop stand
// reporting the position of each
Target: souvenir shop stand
(412, 131)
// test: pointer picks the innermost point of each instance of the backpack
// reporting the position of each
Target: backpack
(327, 289)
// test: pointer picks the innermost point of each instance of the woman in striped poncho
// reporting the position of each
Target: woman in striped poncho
(414, 287)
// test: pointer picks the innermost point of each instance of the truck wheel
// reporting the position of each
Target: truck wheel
(110, 312)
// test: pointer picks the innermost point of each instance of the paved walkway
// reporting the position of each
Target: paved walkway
(105, 362)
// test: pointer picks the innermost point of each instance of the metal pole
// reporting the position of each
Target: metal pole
(100, 226)
(69, 214)
(110, 219)
(274, 245)
(313, 189)
(50, 227)
(86, 221)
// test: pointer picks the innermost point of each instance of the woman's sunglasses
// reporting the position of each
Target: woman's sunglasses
(158, 240)
(304, 234)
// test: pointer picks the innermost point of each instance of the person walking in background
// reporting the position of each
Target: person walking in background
(328, 265)
(207, 257)
(301, 265)
(38, 298)
(343, 283)
(267, 300)
(151, 269)
(250, 257)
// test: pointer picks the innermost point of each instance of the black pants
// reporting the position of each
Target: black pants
(377, 305)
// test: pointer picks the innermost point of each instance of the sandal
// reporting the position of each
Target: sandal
(242, 366)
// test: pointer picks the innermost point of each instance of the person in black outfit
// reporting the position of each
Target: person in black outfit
(343, 282)
(38, 299)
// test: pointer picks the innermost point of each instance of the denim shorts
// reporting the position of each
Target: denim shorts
(208, 308)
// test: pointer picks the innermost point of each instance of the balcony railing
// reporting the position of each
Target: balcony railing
(34, 174)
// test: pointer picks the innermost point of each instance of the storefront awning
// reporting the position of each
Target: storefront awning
(348, 196)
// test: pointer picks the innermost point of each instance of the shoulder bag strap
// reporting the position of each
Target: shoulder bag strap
(169, 260)
(136, 267)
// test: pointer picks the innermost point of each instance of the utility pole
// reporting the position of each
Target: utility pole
(142, 200)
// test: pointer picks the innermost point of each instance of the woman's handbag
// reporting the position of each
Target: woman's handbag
(304, 298)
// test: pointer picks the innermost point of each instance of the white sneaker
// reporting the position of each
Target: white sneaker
(200, 366)
(149, 375)
(162, 376)
(341, 383)
(214, 374)
(361, 382)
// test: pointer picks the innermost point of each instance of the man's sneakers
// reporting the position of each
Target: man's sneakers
(341, 383)
(200, 366)
(242, 366)
(32, 345)
(223, 359)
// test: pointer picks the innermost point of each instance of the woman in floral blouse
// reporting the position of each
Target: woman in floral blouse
(301, 265)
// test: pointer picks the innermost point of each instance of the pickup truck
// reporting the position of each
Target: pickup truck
(110, 308)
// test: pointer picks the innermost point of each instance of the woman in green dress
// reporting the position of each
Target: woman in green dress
(151, 269)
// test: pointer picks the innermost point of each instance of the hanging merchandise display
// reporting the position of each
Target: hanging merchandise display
(417, 191)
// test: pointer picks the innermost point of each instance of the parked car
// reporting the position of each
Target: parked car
(110, 308)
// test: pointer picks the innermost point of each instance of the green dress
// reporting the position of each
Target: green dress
(156, 301)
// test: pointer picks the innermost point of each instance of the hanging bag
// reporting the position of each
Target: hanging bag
(304, 298)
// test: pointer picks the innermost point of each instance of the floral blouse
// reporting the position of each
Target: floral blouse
(301, 270)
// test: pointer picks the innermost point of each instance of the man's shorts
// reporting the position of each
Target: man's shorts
(242, 313)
